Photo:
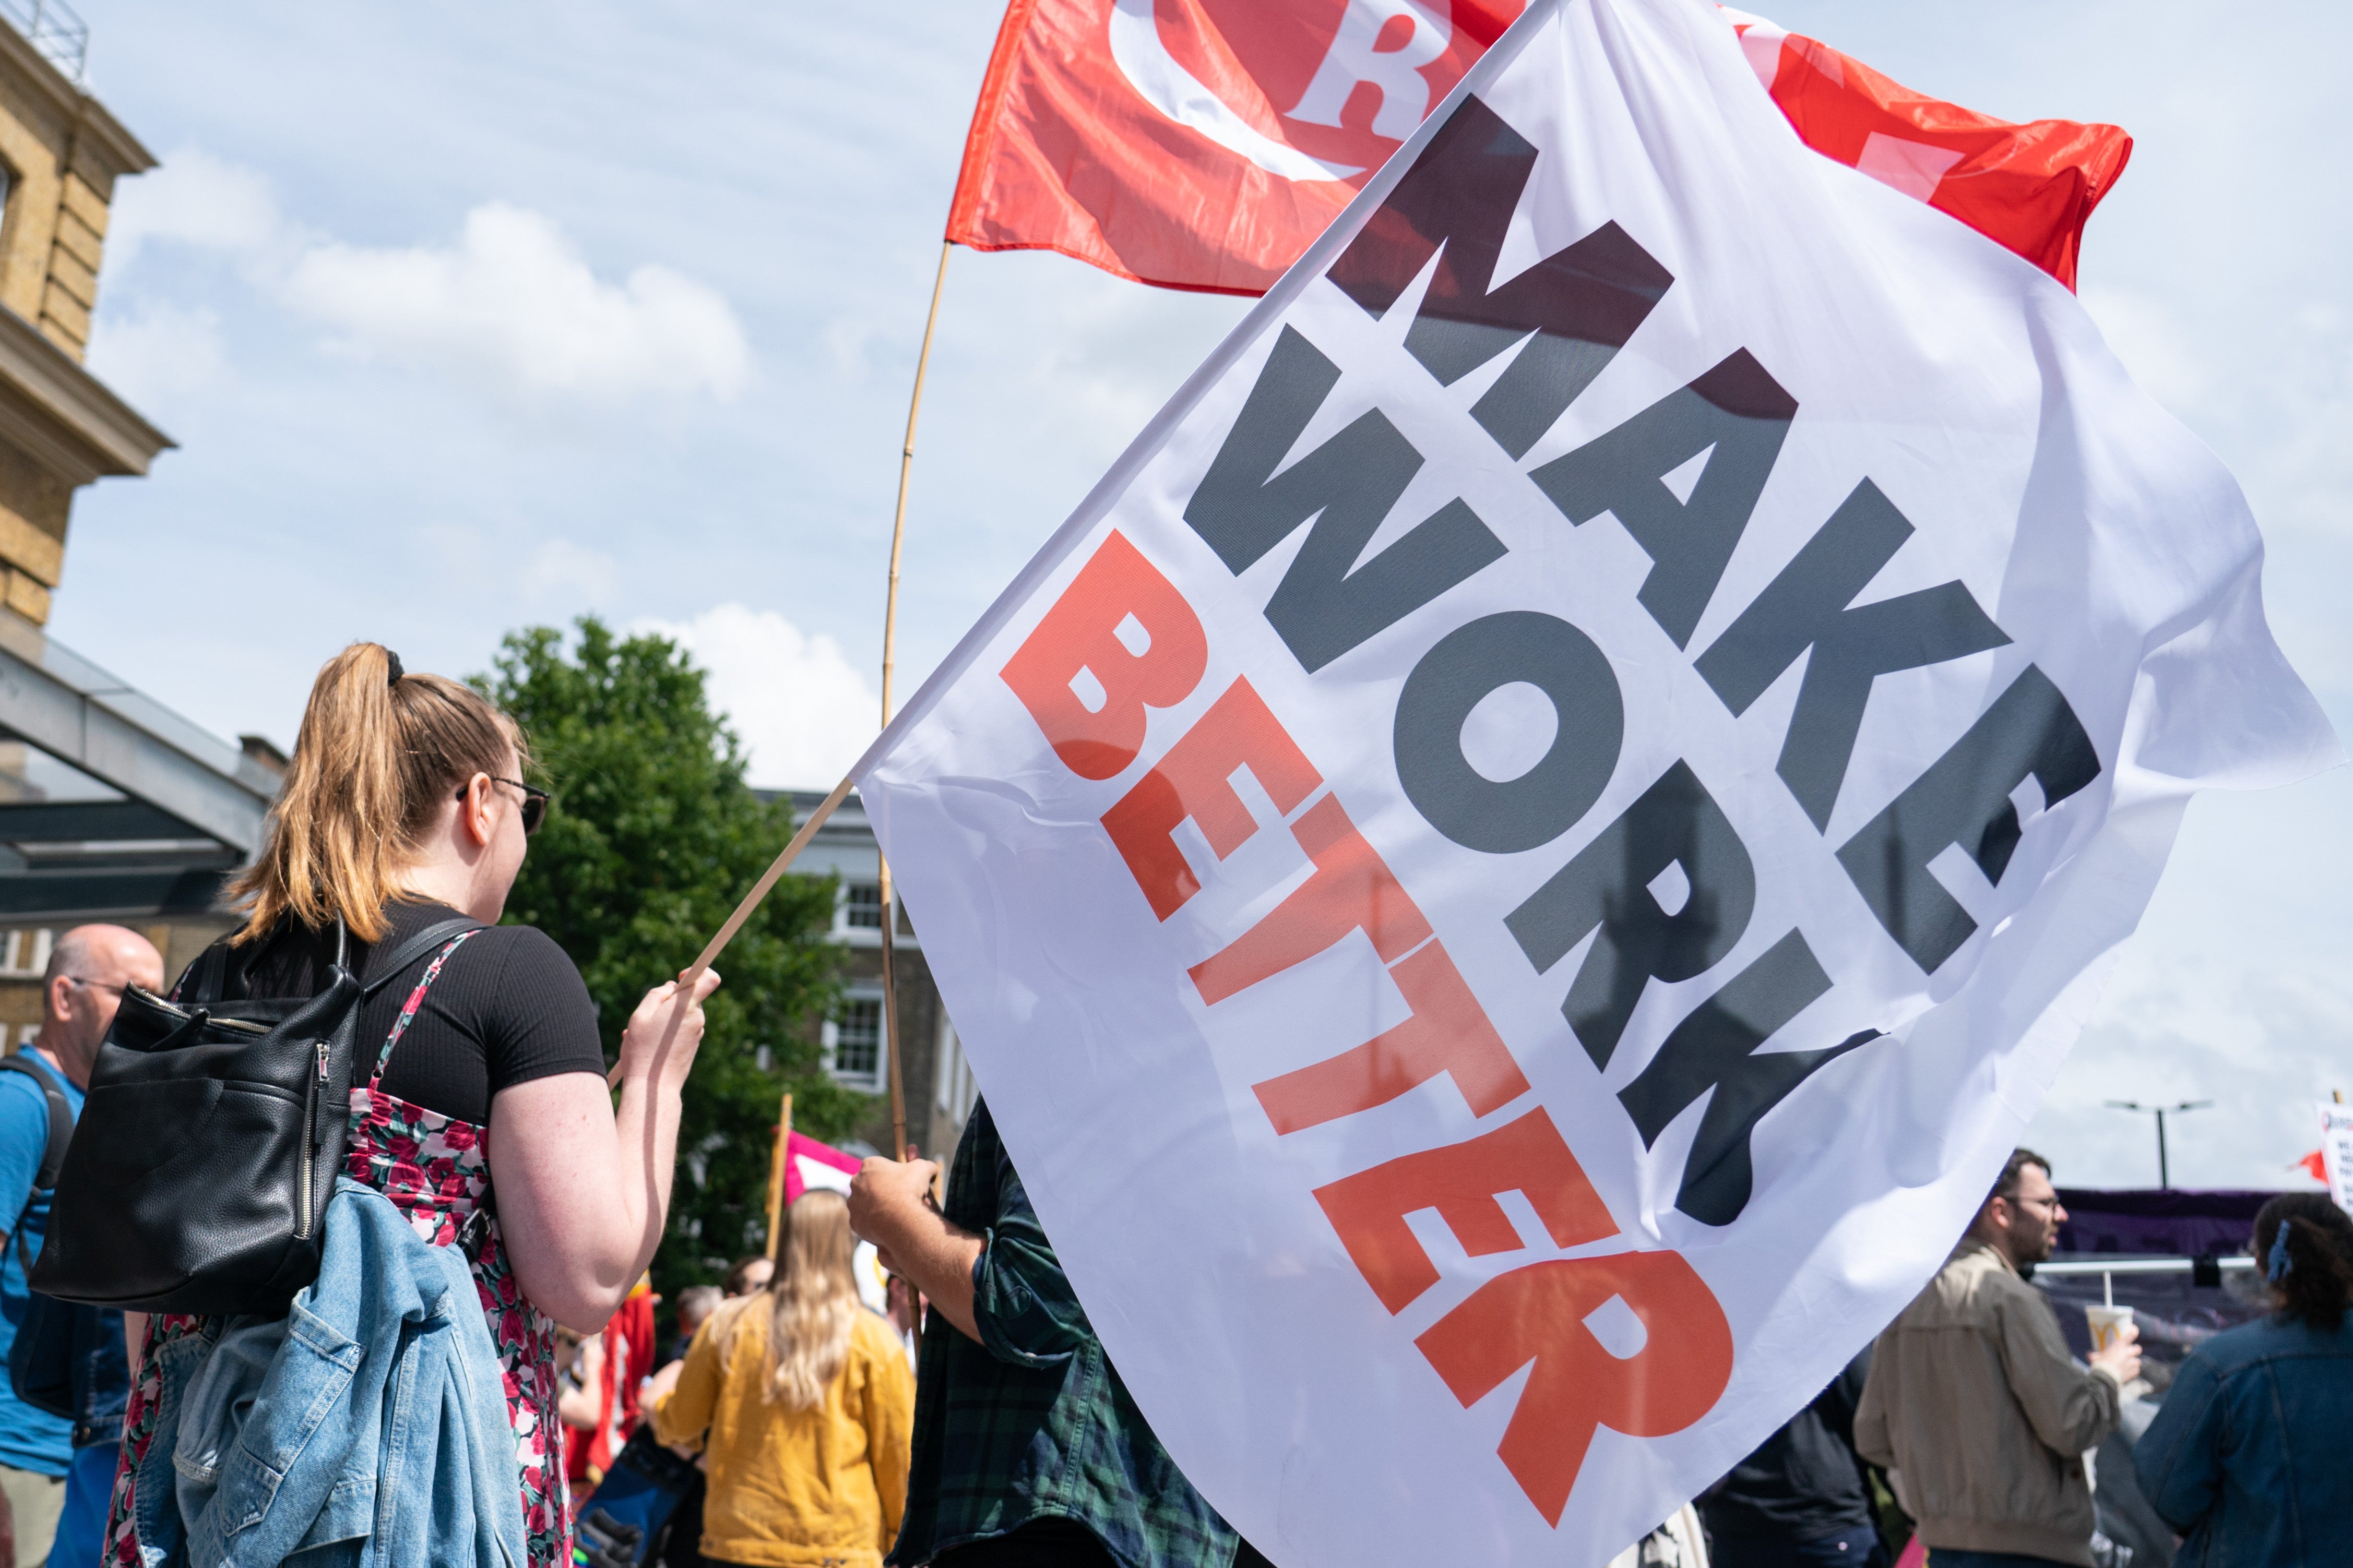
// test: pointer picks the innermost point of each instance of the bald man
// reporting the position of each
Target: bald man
(88, 969)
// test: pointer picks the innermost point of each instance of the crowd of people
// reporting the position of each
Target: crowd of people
(1970, 1417)
(790, 1426)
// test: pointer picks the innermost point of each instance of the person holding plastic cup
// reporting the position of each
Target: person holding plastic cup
(1975, 1405)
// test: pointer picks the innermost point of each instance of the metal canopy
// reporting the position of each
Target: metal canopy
(156, 813)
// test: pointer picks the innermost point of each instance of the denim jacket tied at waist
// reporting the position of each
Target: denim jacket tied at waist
(372, 1417)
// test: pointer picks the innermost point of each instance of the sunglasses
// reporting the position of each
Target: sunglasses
(534, 801)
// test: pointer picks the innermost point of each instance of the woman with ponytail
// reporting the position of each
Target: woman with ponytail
(479, 1105)
(2247, 1456)
(804, 1406)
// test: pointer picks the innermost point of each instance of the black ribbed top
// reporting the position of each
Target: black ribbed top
(508, 1007)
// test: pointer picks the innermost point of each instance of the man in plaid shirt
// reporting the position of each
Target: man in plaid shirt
(1028, 1448)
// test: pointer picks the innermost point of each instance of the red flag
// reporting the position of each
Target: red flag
(2028, 188)
(2315, 1164)
(1199, 143)
(1202, 143)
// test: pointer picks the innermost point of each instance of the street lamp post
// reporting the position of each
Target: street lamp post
(2164, 1171)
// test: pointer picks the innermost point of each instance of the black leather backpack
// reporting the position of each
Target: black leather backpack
(198, 1177)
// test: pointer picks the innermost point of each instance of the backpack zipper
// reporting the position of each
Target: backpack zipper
(238, 1025)
(311, 1142)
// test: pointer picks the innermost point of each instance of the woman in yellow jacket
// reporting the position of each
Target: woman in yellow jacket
(804, 1403)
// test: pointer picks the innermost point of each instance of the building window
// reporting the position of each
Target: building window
(861, 906)
(24, 954)
(854, 1042)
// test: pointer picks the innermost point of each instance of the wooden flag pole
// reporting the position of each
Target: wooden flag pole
(784, 1151)
(899, 1148)
(711, 950)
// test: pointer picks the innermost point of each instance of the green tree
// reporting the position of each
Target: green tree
(654, 837)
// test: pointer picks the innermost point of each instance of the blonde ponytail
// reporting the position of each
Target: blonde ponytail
(378, 754)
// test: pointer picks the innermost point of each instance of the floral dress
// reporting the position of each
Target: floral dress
(435, 1169)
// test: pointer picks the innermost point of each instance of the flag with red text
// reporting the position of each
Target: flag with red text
(1202, 143)
(1512, 874)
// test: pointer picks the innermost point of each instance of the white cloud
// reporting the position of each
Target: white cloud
(197, 200)
(512, 303)
(802, 713)
(513, 300)
(161, 357)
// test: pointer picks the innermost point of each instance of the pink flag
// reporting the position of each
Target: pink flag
(809, 1163)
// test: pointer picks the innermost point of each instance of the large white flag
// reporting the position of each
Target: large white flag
(1512, 874)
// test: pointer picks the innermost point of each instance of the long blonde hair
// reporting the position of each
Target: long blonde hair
(814, 1301)
(377, 757)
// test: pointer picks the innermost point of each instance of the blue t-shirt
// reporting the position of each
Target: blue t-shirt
(30, 1439)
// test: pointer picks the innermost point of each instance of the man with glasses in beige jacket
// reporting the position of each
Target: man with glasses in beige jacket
(1976, 1405)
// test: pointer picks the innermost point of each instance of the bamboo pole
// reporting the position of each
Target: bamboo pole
(784, 1151)
(692, 976)
(898, 1147)
(891, 1013)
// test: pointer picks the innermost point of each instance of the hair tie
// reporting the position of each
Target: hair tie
(2281, 1264)
(396, 672)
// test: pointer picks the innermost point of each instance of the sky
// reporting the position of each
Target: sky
(468, 319)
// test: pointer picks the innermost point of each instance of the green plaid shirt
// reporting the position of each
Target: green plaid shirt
(1033, 1422)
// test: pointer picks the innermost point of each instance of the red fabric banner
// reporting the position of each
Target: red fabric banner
(1202, 143)
(2028, 188)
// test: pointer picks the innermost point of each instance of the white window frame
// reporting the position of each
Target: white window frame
(860, 990)
(24, 953)
(841, 921)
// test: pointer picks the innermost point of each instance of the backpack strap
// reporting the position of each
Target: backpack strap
(388, 969)
(448, 935)
(61, 1116)
(53, 1158)
(206, 980)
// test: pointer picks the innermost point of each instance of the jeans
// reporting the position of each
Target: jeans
(81, 1527)
(371, 1416)
(1946, 1557)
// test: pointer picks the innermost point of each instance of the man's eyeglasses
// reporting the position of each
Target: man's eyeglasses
(534, 801)
(96, 984)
